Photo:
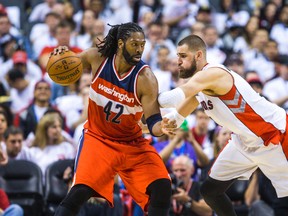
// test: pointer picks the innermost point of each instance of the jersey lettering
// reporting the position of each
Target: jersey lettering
(107, 111)
(207, 106)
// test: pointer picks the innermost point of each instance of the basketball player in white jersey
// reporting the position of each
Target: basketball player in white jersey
(259, 138)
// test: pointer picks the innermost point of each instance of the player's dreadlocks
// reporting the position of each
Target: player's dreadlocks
(108, 46)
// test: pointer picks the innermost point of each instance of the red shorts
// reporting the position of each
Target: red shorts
(137, 163)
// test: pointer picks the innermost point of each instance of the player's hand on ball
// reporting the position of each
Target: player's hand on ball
(64, 66)
(59, 50)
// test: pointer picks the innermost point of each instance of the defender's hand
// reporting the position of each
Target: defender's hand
(168, 127)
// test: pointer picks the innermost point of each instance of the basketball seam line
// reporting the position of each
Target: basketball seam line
(66, 70)
(61, 60)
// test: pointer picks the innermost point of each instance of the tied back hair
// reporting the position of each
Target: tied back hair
(108, 46)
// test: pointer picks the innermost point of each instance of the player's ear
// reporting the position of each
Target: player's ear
(199, 54)
(120, 43)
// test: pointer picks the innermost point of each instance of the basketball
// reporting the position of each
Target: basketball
(64, 68)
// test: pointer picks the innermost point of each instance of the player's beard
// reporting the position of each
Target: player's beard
(128, 57)
(188, 72)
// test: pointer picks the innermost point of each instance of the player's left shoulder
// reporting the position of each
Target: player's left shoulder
(146, 74)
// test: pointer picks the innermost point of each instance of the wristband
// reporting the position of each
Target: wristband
(174, 115)
(152, 120)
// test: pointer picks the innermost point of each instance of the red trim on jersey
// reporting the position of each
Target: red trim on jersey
(267, 131)
(229, 95)
(116, 72)
(136, 84)
(204, 66)
(99, 69)
(258, 125)
(284, 140)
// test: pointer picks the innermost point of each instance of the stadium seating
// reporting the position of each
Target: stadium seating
(22, 181)
(55, 187)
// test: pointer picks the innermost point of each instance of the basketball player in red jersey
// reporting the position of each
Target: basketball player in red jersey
(259, 138)
(123, 88)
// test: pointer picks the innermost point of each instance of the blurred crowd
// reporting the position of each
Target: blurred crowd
(41, 121)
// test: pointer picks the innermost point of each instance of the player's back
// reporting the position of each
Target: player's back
(114, 108)
(245, 112)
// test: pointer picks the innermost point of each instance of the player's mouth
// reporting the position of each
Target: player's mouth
(137, 57)
(180, 68)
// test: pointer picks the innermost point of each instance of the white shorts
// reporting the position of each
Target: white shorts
(236, 163)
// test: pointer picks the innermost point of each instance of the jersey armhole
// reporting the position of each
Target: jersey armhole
(99, 70)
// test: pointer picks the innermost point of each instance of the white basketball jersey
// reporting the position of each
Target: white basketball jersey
(251, 117)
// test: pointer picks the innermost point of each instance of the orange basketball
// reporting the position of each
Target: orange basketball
(65, 68)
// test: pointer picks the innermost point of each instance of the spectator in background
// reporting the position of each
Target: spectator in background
(99, 7)
(186, 198)
(264, 63)
(214, 44)
(49, 144)
(84, 36)
(20, 60)
(98, 32)
(279, 31)
(77, 116)
(197, 29)
(8, 209)
(5, 107)
(271, 50)
(178, 16)
(254, 57)
(39, 12)
(229, 15)
(242, 43)
(162, 74)
(80, 116)
(268, 15)
(276, 89)
(154, 40)
(202, 133)
(74, 106)
(3, 127)
(204, 15)
(229, 38)
(7, 49)
(68, 13)
(99, 27)
(4, 97)
(28, 118)
(14, 145)
(235, 63)
(7, 33)
(22, 90)
(182, 143)
(253, 79)
(43, 34)
(63, 35)
(122, 11)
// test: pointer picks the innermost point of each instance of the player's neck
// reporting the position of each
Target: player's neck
(121, 65)
(202, 65)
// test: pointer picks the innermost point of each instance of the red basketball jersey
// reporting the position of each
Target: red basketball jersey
(114, 109)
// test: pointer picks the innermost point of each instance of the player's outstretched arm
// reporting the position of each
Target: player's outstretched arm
(147, 91)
